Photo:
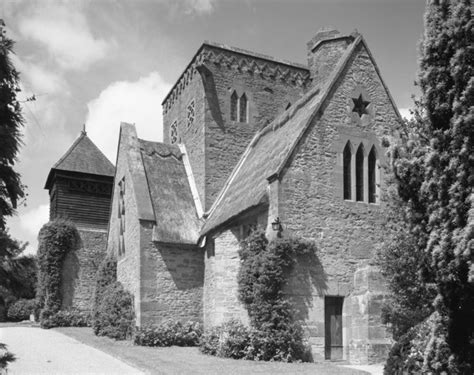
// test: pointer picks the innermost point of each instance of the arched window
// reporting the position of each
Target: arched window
(243, 108)
(347, 156)
(174, 132)
(288, 106)
(233, 106)
(360, 174)
(372, 176)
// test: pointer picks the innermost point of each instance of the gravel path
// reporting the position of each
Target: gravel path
(41, 351)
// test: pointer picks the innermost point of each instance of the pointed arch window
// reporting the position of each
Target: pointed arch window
(372, 175)
(233, 106)
(243, 108)
(360, 174)
(347, 159)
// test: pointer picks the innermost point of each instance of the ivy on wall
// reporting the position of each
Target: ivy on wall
(264, 272)
(56, 239)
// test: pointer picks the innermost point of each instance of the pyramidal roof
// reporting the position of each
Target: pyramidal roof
(83, 157)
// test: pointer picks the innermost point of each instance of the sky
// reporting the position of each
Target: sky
(97, 63)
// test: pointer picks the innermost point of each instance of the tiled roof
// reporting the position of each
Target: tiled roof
(172, 200)
(83, 157)
(269, 151)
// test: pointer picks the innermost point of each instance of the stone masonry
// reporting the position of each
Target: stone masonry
(180, 208)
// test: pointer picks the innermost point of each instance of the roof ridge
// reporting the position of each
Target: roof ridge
(70, 150)
(288, 115)
(325, 93)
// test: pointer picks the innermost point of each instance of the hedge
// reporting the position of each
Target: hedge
(21, 309)
(169, 333)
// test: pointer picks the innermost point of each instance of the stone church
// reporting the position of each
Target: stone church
(249, 141)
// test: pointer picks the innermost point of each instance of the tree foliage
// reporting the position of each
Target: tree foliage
(11, 121)
(434, 179)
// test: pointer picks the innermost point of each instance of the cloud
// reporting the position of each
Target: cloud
(189, 7)
(64, 30)
(33, 220)
(38, 79)
(199, 6)
(134, 102)
(405, 113)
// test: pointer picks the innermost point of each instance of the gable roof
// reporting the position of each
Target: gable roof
(82, 157)
(173, 204)
(270, 150)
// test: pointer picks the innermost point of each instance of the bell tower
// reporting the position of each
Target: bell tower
(80, 190)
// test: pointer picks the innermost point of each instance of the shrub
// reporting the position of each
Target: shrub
(106, 275)
(5, 356)
(56, 239)
(169, 333)
(114, 316)
(230, 340)
(21, 309)
(406, 354)
(68, 318)
(234, 340)
(262, 276)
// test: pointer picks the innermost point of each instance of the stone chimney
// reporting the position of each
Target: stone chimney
(324, 51)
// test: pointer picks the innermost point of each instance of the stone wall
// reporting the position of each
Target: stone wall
(226, 140)
(193, 136)
(369, 337)
(346, 233)
(78, 278)
(171, 281)
(221, 265)
(214, 142)
(128, 264)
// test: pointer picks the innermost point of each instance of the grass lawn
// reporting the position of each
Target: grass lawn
(178, 360)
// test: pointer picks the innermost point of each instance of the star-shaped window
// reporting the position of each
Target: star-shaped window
(360, 105)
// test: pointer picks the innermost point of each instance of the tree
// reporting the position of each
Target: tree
(434, 180)
(11, 188)
(11, 121)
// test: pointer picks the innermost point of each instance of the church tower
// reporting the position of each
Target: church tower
(80, 190)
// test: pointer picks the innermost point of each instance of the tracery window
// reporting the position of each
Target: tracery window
(190, 114)
(233, 106)
(360, 174)
(372, 176)
(174, 132)
(347, 158)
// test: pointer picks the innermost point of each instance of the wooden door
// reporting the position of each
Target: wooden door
(333, 327)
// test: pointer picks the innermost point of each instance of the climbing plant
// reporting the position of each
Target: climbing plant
(264, 272)
(55, 239)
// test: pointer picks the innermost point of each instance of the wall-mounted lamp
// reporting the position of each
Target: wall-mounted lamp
(276, 226)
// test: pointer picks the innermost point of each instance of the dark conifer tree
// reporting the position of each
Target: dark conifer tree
(434, 180)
